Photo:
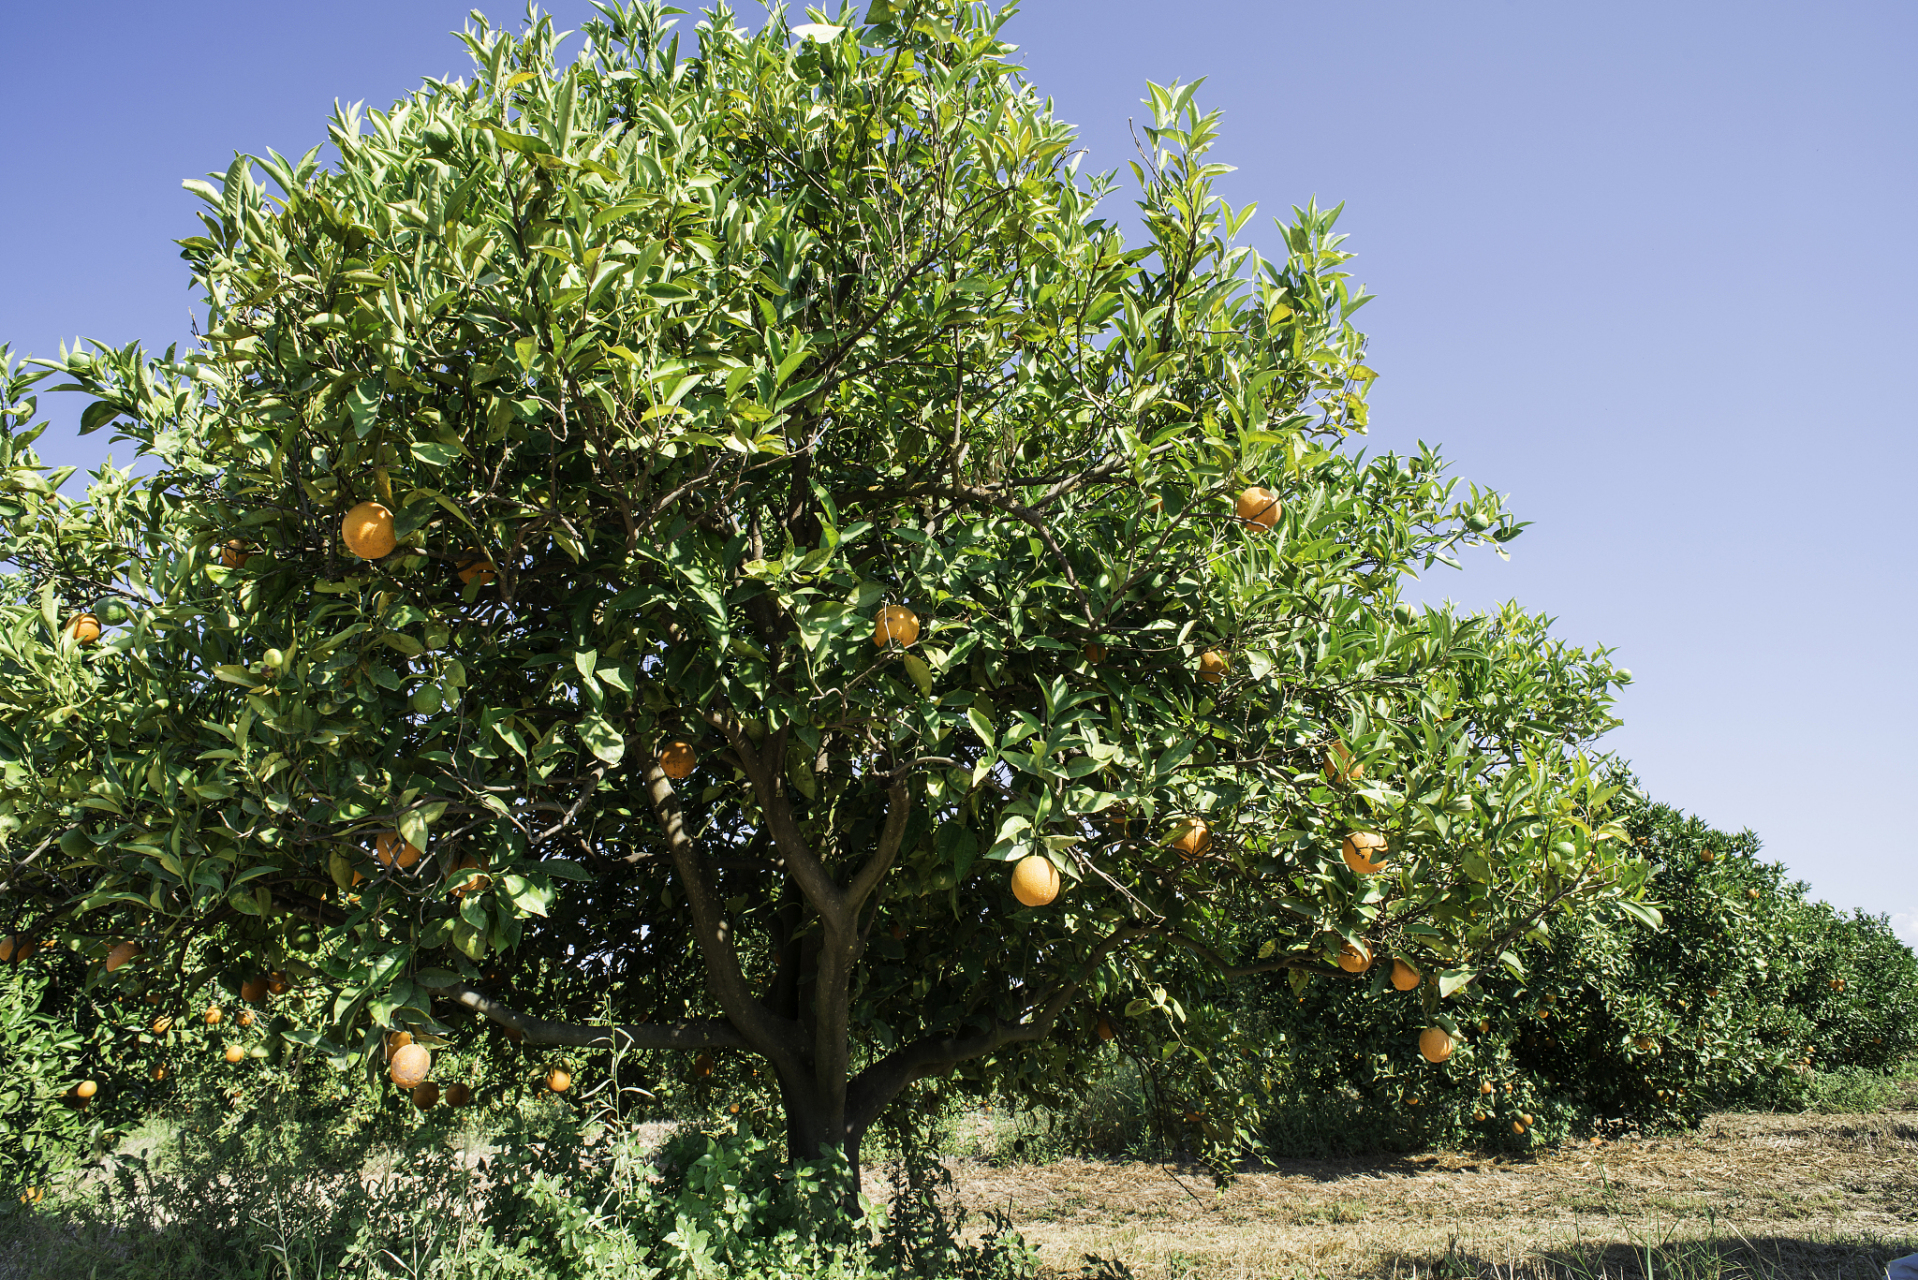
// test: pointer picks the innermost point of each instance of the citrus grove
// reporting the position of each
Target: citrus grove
(721, 548)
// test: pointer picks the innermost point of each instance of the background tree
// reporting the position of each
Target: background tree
(500, 583)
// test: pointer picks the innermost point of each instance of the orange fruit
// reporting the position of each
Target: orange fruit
(395, 1041)
(559, 1082)
(253, 990)
(1644, 1044)
(246, 1018)
(1095, 654)
(1340, 766)
(410, 1064)
(895, 624)
(1528, 1121)
(214, 1014)
(426, 1095)
(676, 759)
(1518, 1128)
(458, 1095)
(479, 567)
(1355, 957)
(162, 1025)
(234, 554)
(276, 983)
(14, 947)
(368, 530)
(1212, 665)
(703, 1064)
(160, 1071)
(390, 848)
(467, 862)
(1191, 838)
(1105, 1030)
(1364, 852)
(84, 627)
(1257, 507)
(1434, 1044)
(1485, 1086)
(1035, 881)
(234, 1053)
(85, 1089)
(120, 953)
(1404, 976)
(1752, 894)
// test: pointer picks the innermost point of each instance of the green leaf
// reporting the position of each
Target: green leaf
(602, 739)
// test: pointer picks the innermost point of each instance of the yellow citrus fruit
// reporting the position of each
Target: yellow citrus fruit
(480, 568)
(277, 984)
(120, 953)
(1105, 1030)
(1485, 1086)
(390, 848)
(1191, 838)
(86, 1089)
(214, 1015)
(368, 530)
(1340, 766)
(1355, 957)
(1212, 665)
(253, 990)
(426, 1095)
(559, 1081)
(234, 1053)
(676, 759)
(458, 1095)
(1434, 1044)
(1095, 654)
(234, 554)
(1364, 852)
(703, 1064)
(1035, 881)
(84, 627)
(895, 624)
(1257, 507)
(1404, 976)
(410, 1064)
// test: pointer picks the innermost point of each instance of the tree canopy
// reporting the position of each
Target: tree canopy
(673, 366)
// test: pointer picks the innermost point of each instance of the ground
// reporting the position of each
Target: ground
(1777, 1197)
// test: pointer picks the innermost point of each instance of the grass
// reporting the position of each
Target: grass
(1829, 1194)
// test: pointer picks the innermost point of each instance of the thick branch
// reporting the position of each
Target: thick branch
(704, 1033)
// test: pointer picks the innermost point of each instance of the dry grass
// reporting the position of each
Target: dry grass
(1797, 1197)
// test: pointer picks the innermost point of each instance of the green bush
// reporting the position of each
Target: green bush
(1745, 995)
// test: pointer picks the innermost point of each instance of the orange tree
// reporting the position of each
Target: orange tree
(499, 582)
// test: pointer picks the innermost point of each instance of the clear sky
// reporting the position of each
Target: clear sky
(1648, 268)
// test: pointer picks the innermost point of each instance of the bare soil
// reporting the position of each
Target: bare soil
(1774, 1197)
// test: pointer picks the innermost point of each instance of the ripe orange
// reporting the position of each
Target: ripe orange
(253, 990)
(426, 1095)
(1434, 1044)
(676, 759)
(1528, 1121)
(1212, 665)
(458, 1095)
(234, 554)
(1035, 881)
(1095, 654)
(477, 567)
(368, 530)
(559, 1081)
(1644, 1044)
(1752, 894)
(1518, 1128)
(389, 848)
(395, 1041)
(1105, 1030)
(1708, 855)
(1340, 766)
(84, 627)
(410, 1064)
(1355, 957)
(895, 624)
(246, 1018)
(120, 953)
(85, 1089)
(1404, 976)
(160, 1072)
(276, 983)
(214, 1014)
(1191, 838)
(703, 1064)
(1364, 852)
(162, 1025)
(1257, 507)
(13, 947)
(234, 1053)
(1485, 1086)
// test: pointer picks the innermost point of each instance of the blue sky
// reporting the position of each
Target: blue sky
(1647, 268)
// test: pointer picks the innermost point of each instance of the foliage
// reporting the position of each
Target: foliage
(674, 367)
(296, 1194)
(1746, 996)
